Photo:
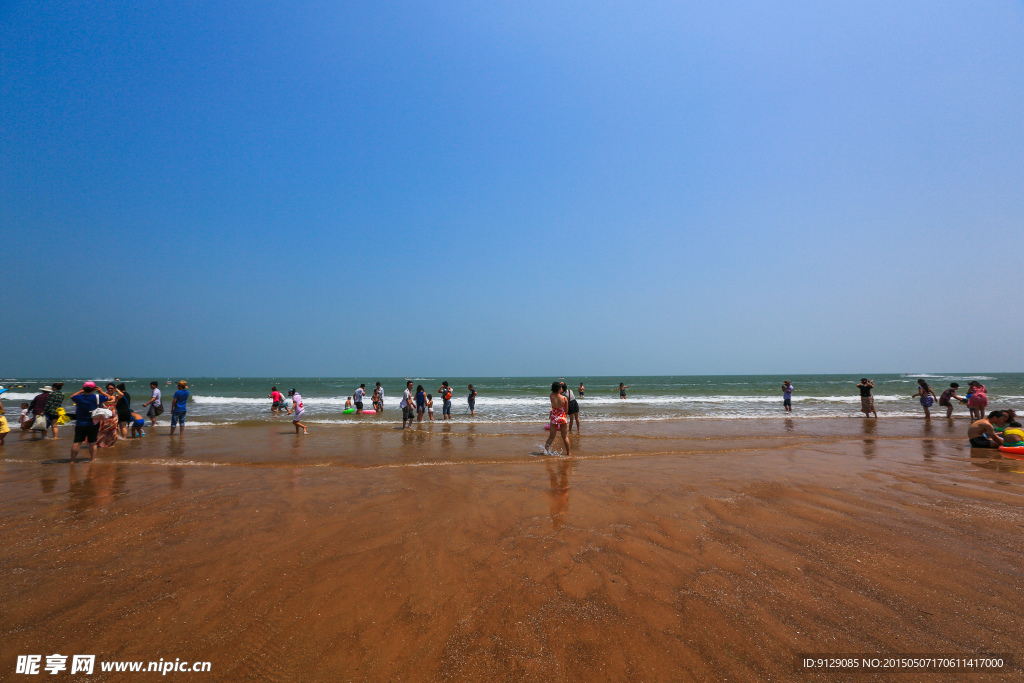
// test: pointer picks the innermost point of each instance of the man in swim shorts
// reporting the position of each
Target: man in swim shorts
(982, 433)
(787, 396)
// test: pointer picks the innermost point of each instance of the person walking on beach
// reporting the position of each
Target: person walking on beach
(787, 396)
(446, 396)
(408, 412)
(276, 400)
(977, 399)
(472, 400)
(300, 411)
(421, 403)
(53, 406)
(982, 433)
(179, 406)
(358, 396)
(558, 420)
(947, 397)
(927, 397)
(380, 399)
(86, 401)
(622, 389)
(155, 405)
(573, 410)
(867, 401)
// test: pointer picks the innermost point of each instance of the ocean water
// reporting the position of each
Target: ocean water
(223, 400)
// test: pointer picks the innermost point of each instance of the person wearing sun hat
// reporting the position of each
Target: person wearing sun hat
(179, 405)
(86, 401)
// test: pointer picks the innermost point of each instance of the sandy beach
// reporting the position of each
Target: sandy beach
(687, 551)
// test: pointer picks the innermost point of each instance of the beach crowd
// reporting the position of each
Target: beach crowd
(104, 416)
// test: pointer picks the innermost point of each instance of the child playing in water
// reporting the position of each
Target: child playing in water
(430, 406)
(348, 402)
(138, 422)
(24, 415)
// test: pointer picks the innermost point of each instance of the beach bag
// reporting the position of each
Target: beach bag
(39, 424)
(159, 410)
(101, 414)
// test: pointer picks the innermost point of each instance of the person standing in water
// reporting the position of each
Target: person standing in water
(446, 396)
(179, 406)
(276, 399)
(300, 411)
(927, 397)
(472, 400)
(867, 401)
(360, 393)
(380, 398)
(622, 389)
(421, 403)
(408, 411)
(558, 420)
(787, 396)
(573, 410)
(581, 390)
(977, 399)
(154, 403)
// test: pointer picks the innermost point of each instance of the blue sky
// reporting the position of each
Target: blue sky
(531, 188)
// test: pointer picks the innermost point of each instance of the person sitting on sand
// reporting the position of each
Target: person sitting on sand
(927, 397)
(1013, 435)
(948, 396)
(982, 433)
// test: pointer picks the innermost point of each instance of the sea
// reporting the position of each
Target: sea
(236, 400)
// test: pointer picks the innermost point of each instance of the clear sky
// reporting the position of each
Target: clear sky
(313, 188)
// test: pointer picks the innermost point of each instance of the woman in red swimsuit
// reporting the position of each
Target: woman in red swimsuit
(558, 419)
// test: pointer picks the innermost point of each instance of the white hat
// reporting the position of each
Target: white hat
(47, 388)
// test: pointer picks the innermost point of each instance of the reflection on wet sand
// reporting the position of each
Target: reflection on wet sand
(558, 494)
(95, 485)
(869, 427)
(397, 559)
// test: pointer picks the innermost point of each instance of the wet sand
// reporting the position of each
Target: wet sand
(689, 551)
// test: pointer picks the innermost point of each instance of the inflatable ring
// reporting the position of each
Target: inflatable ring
(348, 410)
(1013, 451)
